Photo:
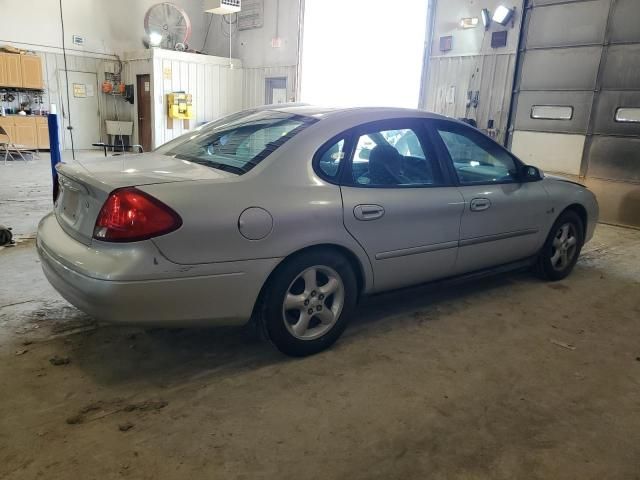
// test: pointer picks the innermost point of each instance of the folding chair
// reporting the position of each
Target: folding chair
(9, 146)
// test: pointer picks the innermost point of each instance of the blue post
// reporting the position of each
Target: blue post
(54, 146)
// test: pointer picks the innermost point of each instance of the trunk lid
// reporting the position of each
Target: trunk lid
(85, 186)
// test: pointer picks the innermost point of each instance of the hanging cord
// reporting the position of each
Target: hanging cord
(66, 74)
(224, 21)
(204, 44)
(278, 19)
(231, 31)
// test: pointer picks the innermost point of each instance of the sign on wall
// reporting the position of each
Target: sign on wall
(79, 90)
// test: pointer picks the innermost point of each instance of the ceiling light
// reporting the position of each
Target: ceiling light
(503, 15)
(155, 39)
(469, 22)
(486, 18)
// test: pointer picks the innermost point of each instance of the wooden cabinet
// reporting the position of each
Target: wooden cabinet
(31, 69)
(26, 132)
(3, 69)
(21, 71)
(12, 71)
(42, 127)
(7, 124)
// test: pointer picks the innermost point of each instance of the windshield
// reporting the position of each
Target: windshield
(239, 142)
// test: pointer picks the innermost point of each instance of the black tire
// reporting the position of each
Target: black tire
(546, 267)
(273, 317)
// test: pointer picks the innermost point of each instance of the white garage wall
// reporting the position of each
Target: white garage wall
(216, 89)
(254, 47)
(471, 65)
(53, 67)
(108, 27)
(253, 89)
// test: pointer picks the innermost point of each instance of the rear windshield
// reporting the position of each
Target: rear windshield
(239, 142)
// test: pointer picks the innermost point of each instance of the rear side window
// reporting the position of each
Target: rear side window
(330, 160)
(476, 158)
(237, 144)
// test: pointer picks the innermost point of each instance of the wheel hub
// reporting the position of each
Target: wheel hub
(313, 302)
(564, 247)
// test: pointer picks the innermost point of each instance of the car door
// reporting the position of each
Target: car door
(503, 216)
(400, 204)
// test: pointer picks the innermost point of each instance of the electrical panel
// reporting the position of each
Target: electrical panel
(222, 7)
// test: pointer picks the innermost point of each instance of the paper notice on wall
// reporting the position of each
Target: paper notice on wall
(79, 90)
(166, 72)
(147, 86)
(91, 91)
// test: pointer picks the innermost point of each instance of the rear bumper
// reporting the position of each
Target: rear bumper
(212, 294)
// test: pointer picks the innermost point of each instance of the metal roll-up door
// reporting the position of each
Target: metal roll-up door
(576, 109)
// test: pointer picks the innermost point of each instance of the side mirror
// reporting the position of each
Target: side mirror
(529, 173)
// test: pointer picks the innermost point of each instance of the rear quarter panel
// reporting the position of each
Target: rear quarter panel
(302, 216)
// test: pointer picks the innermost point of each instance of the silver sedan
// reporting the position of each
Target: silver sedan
(287, 215)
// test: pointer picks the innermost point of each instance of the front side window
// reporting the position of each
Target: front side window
(393, 158)
(476, 158)
(238, 143)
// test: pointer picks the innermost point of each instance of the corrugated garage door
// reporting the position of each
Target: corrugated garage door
(577, 100)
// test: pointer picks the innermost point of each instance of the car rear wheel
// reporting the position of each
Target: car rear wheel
(308, 301)
(562, 247)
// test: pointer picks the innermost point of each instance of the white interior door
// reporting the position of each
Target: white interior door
(83, 107)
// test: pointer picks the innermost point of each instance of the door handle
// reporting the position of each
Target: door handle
(368, 212)
(480, 204)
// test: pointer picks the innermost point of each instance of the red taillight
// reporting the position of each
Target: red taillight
(130, 215)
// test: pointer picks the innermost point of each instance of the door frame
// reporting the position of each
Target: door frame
(149, 121)
(269, 87)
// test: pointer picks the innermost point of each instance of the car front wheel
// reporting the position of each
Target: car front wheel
(562, 247)
(308, 302)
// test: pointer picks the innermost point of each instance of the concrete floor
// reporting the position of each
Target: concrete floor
(505, 378)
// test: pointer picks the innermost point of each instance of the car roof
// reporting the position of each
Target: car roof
(321, 112)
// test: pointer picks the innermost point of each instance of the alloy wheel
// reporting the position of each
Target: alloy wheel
(313, 302)
(564, 247)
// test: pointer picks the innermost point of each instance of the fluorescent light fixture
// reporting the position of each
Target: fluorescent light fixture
(155, 39)
(503, 15)
(486, 18)
(469, 22)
